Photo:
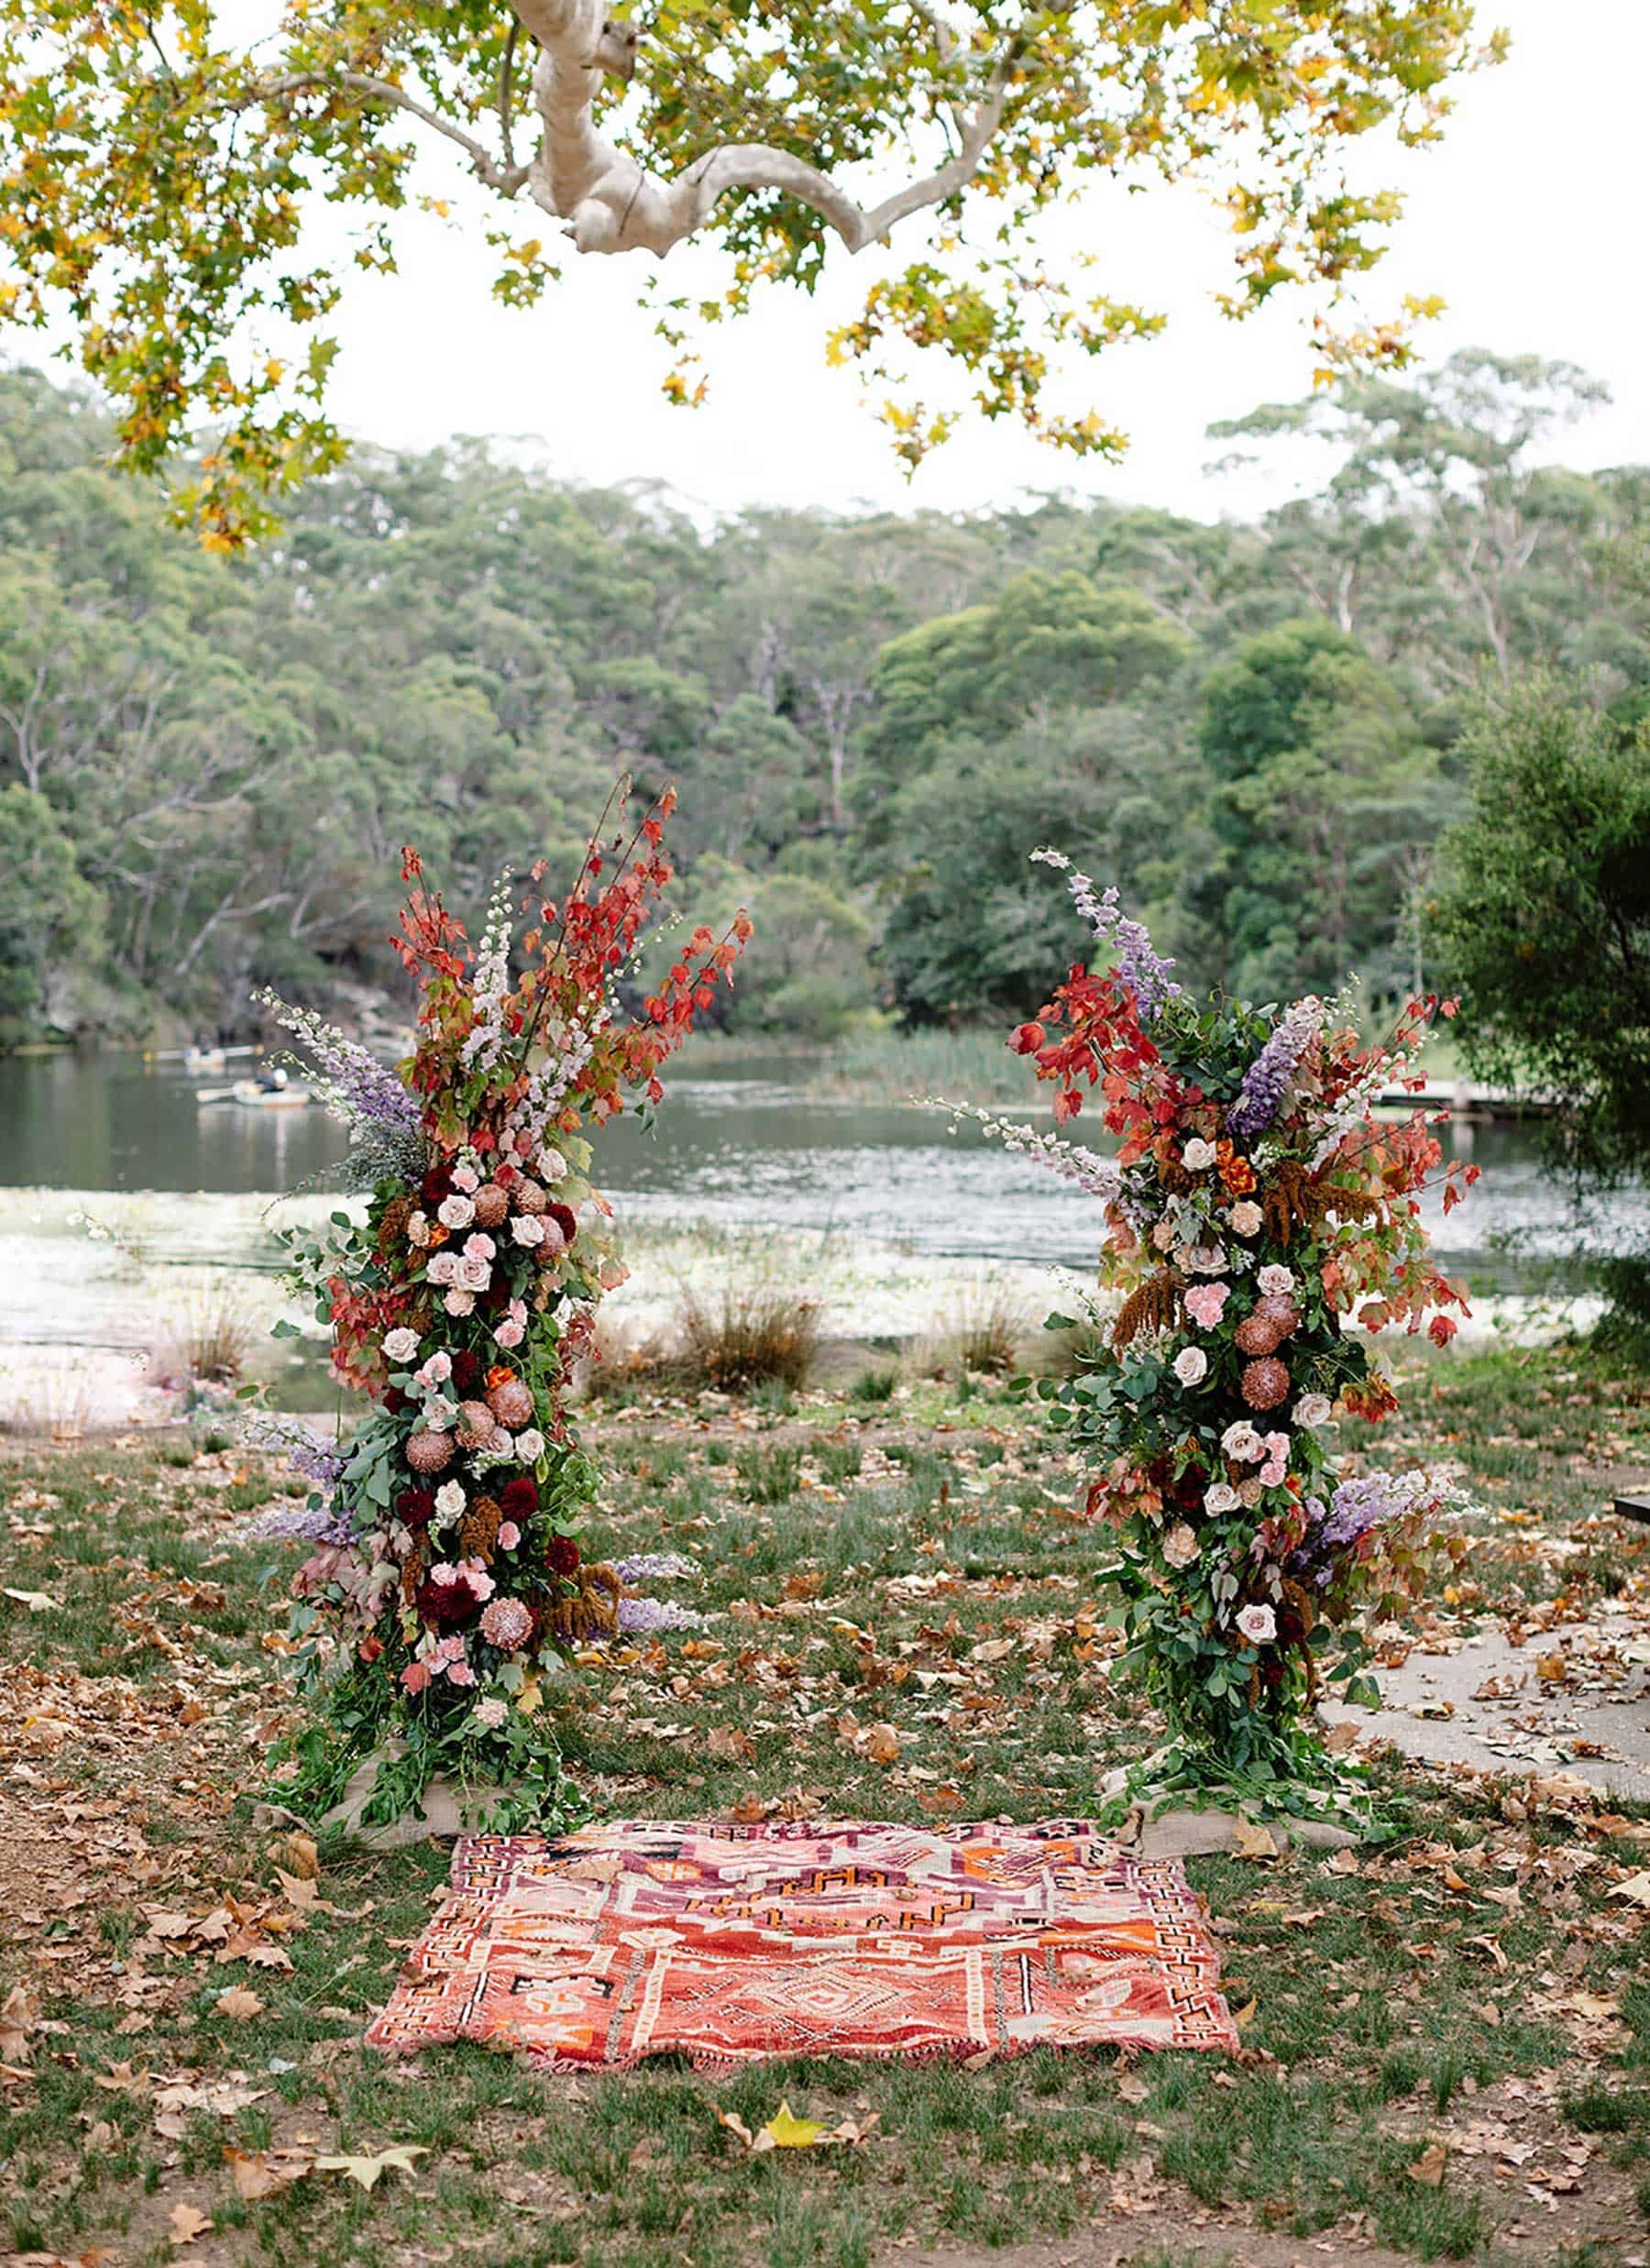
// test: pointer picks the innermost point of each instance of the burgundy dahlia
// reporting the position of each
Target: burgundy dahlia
(447, 1604)
(466, 1374)
(562, 1556)
(519, 1499)
(565, 1219)
(416, 1507)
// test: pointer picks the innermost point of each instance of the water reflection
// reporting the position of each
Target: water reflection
(741, 1146)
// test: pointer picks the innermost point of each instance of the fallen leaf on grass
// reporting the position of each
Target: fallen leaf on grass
(37, 1602)
(186, 2222)
(398, 2158)
(239, 2003)
(784, 2130)
(18, 2016)
(265, 2173)
(1251, 1841)
(1428, 2168)
(1636, 1889)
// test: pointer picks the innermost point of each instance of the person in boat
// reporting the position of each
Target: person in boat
(272, 1080)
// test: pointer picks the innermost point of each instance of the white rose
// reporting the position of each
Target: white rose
(1314, 1409)
(527, 1228)
(1206, 1260)
(1222, 1497)
(439, 1413)
(474, 1275)
(401, 1345)
(1198, 1156)
(457, 1212)
(1190, 1366)
(449, 1501)
(444, 1268)
(552, 1166)
(460, 1302)
(1258, 1624)
(1276, 1279)
(1241, 1441)
(530, 1446)
(1245, 1218)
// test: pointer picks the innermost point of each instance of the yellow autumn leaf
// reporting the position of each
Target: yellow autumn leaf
(784, 2130)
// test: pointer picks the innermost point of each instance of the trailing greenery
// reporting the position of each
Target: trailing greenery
(206, 766)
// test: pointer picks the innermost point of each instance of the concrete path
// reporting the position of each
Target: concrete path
(1574, 1699)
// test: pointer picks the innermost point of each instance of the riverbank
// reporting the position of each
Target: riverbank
(116, 1300)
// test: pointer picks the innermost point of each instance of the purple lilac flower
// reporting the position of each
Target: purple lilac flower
(354, 1086)
(1266, 1082)
(309, 1523)
(306, 1452)
(638, 1615)
(1141, 968)
(1356, 1507)
(651, 1567)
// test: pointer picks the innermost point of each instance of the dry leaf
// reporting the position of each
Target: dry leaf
(1636, 1889)
(398, 2159)
(239, 2003)
(881, 1744)
(1250, 1841)
(264, 2174)
(187, 2222)
(36, 1602)
(1428, 2168)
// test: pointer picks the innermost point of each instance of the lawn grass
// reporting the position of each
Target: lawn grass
(1474, 1982)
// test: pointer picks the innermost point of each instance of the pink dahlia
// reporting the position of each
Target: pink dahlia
(507, 1623)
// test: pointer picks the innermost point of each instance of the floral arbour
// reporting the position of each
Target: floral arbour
(1255, 1206)
(447, 1579)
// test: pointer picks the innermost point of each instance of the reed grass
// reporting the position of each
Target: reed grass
(890, 1067)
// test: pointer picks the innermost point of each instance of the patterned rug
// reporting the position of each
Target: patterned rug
(726, 1943)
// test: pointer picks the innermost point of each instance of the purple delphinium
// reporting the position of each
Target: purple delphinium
(306, 1452)
(312, 1522)
(355, 1086)
(651, 1567)
(1356, 1508)
(1266, 1082)
(1138, 962)
(637, 1616)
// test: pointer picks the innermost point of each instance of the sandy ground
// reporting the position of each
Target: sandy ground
(105, 1289)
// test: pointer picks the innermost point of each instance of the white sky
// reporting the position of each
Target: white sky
(1520, 219)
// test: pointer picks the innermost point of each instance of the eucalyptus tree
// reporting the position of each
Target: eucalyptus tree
(162, 164)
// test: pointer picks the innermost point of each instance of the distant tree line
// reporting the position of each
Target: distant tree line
(1263, 732)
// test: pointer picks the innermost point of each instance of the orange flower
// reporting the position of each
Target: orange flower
(1236, 1174)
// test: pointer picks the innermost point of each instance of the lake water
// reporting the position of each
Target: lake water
(746, 1145)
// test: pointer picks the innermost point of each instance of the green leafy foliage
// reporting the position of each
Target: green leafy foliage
(160, 174)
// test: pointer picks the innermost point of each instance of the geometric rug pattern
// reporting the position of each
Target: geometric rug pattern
(725, 1944)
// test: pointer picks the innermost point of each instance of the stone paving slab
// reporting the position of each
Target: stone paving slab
(1487, 1705)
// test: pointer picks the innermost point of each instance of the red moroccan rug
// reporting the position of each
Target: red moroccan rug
(726, 1943)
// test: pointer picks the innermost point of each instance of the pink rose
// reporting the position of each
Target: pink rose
(509, 1334)
(461, 1674)
(415, 1676)
(509, 1535)
(1205, 1303)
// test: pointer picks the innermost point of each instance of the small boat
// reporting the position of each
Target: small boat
(252, 1096)
(200, 1061)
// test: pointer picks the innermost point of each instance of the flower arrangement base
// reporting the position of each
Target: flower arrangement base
(1162, 1808)
(439, 1815)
